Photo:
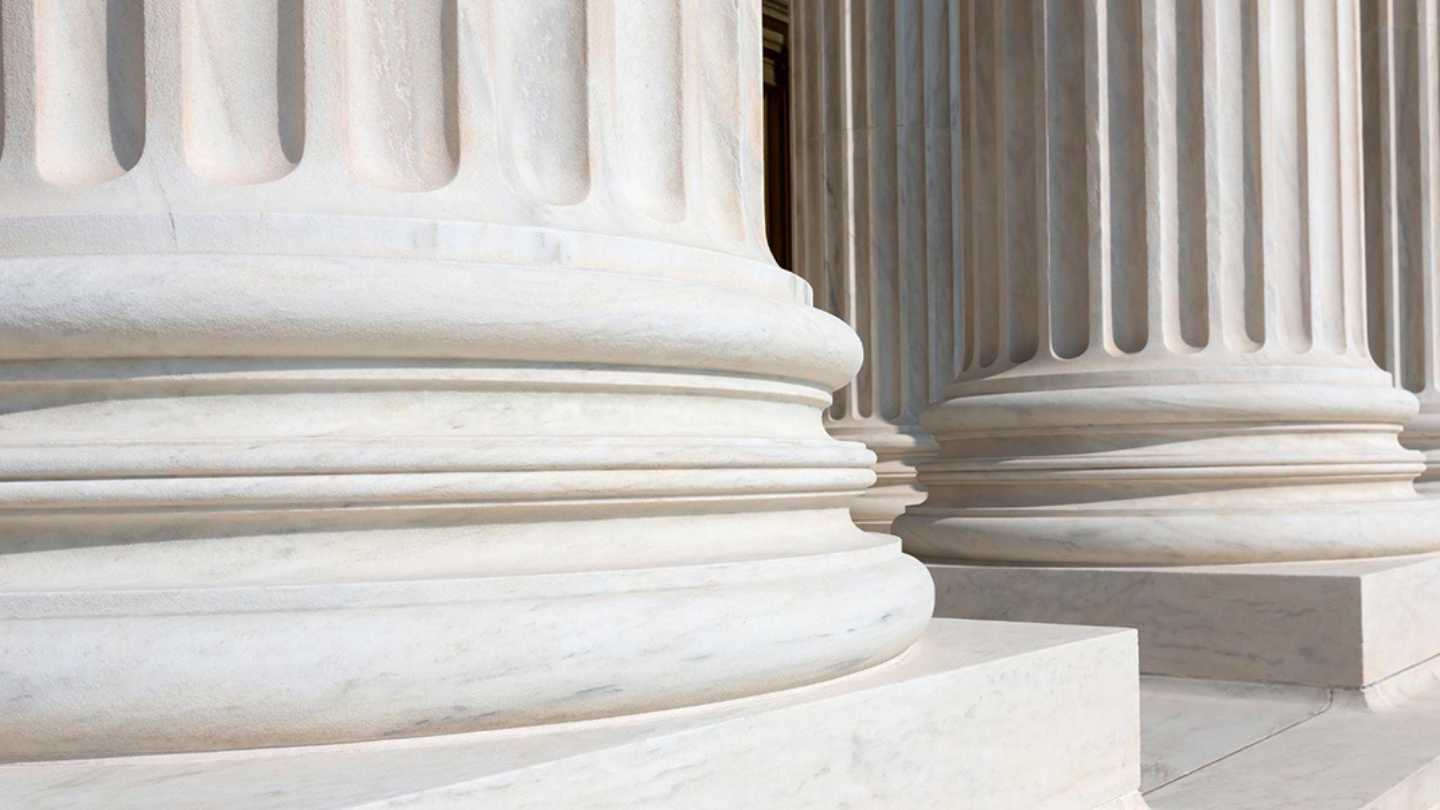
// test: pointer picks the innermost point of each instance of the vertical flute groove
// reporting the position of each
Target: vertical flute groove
(544, 104)
(1429, 294)
(239, 118)
(1067, 171)
(879, 126)
(1193, 238)
(648, 150)
(1258, 325)
(5, 71)
(1308, 254)
(985, 202)
(400, 115)
(969, 245)
(716, 35)
(1097, 161)
(912, 209)
(938, 225)
(1347, 305)
(1326, 218)
(1157, 135)
(1161, 258)
(1017, 148)
(851, 67)
(1126, 153)
(959, 194)
(89, 90)
(1223, 200)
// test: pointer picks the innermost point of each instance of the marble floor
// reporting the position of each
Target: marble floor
(1213, 744)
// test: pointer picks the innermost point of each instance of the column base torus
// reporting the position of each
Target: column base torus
(269, 501)
(977, 714)
(1423, 434)
(898, 449)
(1292, 464)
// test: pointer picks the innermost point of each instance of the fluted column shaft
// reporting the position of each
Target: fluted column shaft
(373, 369)
(875, 196)
(1402, 213)
(1165, 353)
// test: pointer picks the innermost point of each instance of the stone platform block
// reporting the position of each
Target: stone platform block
(1342, 623)
(976, 714)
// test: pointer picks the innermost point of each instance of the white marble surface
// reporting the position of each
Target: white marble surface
(1289, 748)
(992, 715)
(1343, 623)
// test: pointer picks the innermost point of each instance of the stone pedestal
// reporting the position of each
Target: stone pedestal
(874, 200)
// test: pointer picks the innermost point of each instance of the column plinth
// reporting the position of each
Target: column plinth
(407, 369)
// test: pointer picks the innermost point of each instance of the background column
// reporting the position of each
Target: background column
(1402, 209)
(1166, 357)
(875, 194)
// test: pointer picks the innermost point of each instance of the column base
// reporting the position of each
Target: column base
(977, 714)
(1214, 744)
(897, 448)
(1423, 433)
(1341, 623)
(877, 508)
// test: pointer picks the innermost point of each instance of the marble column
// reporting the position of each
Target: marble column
(373, 369)
(1165, 357)
(875, 193)
(1402, 210)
